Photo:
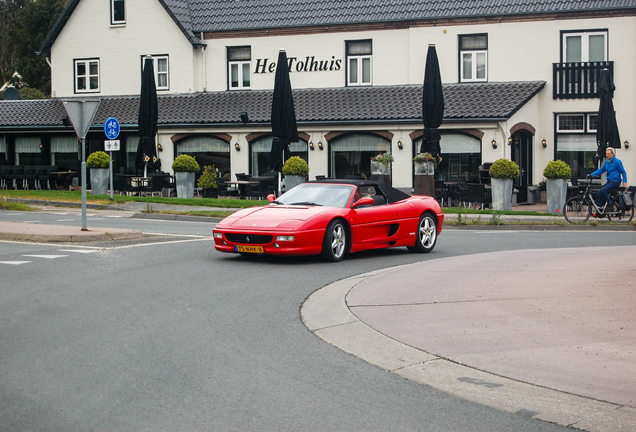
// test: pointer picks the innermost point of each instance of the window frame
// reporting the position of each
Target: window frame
(359, 58)
(585, 44)
(76, 76)
(155, 64)
(586, 116)
(114, 21)
(473, 53)
(240, 65)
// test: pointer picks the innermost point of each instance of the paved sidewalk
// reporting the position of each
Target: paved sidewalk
(545, 333)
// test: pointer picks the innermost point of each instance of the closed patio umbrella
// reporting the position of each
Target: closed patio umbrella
(147, 119)
(607, 130)
(432, 104)
(283, 116)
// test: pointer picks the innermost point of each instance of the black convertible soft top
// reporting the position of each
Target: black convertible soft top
(391, 194)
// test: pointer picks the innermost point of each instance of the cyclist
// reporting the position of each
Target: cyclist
(615, 171)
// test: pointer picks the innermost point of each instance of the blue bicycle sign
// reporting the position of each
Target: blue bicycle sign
(111, 128)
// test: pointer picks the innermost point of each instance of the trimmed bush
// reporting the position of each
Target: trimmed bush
(423, 157)
(185, 163)
(384, 158)
(208, 178)
(557, 170)
(504, 169)
(296, 165)
(99, 159)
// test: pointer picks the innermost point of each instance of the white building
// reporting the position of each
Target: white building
(519, 80)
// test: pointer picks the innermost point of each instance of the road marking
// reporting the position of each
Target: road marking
(96, 218)
(162, 243)
(64, 220)
(14, 262)
(112, 216)
(46, 256)
(84, 251)
(33, 221)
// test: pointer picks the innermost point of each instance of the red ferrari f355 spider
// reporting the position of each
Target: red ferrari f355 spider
(331, 218)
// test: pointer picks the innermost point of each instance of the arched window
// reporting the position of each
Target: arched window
(207, 150)
(350, 155)
(64, 152)
(461, 157)
(260, 154)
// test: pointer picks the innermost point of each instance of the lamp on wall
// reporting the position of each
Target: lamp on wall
(400, 146)
(544, 143)
(494, 144)
(626, 144)
(311, 146)
(237, 147)
(320, 145)
(509, 141)
(159, 147)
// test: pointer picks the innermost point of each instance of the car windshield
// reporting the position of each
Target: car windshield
(317, 194)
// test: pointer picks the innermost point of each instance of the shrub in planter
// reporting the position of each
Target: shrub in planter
(502, 172)
(384, 158)
(295, 171)
(98, 163)
(99, 159)
(185, 166)
(556, 172)
(207, 182)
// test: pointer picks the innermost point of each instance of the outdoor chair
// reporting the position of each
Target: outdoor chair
(31, 177)
(225, 189)
(19, 176)
(479, 194)
(242, 177)
(459, 193)
(43, 177)
(259, 190)
(6, 171)
(441, 192)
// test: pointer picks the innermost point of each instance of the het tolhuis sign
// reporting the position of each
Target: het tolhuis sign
(308, 64)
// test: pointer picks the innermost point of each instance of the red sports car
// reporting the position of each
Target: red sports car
(330, 218)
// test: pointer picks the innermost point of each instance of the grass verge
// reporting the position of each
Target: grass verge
(6, 205)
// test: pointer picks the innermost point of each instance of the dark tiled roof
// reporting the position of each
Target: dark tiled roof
(494, 101)
(222, 15)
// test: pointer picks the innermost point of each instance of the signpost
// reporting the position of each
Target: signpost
(111, 129)
(81, 113)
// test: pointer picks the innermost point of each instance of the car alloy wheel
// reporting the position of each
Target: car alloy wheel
(426, 234)
(335, 242)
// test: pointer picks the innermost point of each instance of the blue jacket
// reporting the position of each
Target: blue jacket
(614, 170)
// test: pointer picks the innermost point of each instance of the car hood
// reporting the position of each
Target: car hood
(271, 217)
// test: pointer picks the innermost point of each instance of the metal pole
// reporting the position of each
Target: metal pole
(111, 174)
(84, 184)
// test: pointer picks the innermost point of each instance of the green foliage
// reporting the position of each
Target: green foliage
(99, 159)
(185, 163)
(384, 158)
(296, 165)
(423, 157)
(208, 178)
(557, 169)
(504, 169)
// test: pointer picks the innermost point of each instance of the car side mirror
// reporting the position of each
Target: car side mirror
(366, 201)
(271, 197)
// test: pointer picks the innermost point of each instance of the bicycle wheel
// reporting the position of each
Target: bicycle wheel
(622, 215)
(577, 210)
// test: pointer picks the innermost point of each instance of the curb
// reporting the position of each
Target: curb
(326, 314)
(45, 238)
(175, 217)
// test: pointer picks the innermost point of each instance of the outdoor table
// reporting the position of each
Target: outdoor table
(242, 186)
(64, 177)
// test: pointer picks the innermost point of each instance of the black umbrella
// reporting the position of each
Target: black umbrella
(283, 116)
(606, 129)
(432, 104)
(147, 120)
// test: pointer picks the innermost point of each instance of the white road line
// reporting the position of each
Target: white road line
(14, 262)
(33, 221)
(64, 220)
(12, 213)
(112, 216)
(84, 251)
(46, 256)
(162, 243)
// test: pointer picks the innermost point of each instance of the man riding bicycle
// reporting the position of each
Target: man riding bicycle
(615, 171)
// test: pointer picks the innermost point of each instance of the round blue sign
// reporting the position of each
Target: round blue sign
(111, 128)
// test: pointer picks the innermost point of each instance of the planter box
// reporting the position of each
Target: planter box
(424, 185)
(185, 184)
(557, 190)
(292, 181)
(501, 194)
(378, 168)
(424, 168)
(99, 181)
(210, 193)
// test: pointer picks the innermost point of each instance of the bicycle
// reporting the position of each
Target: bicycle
(579, 208)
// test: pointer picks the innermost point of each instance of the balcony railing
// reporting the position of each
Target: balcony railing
(578, 80)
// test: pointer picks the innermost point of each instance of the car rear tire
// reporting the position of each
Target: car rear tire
(426, 234)
(334, 245)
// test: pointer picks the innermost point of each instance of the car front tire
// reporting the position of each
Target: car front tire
(334, 245)
(426, 234)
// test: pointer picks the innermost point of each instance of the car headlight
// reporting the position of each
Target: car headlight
(285, 238)
(217, 235)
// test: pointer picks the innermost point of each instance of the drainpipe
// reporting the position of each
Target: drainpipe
(502, 128)
(48, 61)
(205, 74)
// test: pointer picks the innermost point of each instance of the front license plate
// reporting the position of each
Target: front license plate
(249, 249)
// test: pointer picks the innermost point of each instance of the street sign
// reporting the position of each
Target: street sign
(111, 128)
(81, 114)
(112, 145)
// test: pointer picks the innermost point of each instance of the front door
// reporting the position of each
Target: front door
(522, 156)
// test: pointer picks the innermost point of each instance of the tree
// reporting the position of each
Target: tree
(9, 11)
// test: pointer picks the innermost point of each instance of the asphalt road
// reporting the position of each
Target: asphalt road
(175, 336)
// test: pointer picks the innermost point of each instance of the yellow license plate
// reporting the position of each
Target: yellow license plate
(249, 249)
